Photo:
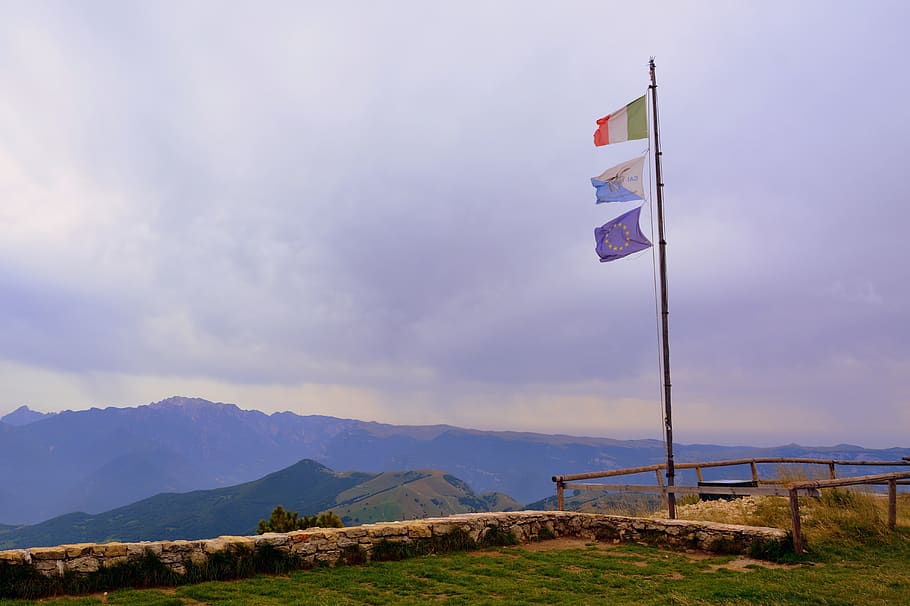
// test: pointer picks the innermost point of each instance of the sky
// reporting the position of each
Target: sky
(383, 211)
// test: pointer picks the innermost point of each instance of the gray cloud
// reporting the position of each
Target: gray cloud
(394, 198)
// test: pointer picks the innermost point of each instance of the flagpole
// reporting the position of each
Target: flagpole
(664, 312)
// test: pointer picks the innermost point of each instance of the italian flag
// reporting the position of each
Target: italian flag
(630, 122)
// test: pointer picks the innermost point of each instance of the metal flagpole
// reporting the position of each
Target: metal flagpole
(664, 312)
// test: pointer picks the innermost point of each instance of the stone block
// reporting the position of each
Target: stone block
(298, 536)
(419, 531)
(49, 568)
(392, 531)
(353, 533)
(438, 529)
(76, 550)
(138, 550)
(216, 546)
(309, 559)
(83, 564)
(47, 553)
(111, 550)
(15, 556)
(305, 549)
(275, 539)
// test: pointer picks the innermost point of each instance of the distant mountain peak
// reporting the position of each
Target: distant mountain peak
(196, 408)
(191, 404)
(24, 416)
(182, 402)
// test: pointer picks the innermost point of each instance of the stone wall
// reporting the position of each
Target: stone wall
(327, 545)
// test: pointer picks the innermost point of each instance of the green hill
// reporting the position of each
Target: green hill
(306, 487)
(597, 502)
(404, 495)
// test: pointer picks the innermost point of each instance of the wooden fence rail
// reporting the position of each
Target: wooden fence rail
(765, 487)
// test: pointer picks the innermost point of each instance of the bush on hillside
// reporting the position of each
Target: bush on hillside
(282, 520)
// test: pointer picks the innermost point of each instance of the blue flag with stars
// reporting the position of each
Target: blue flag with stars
(620, 237)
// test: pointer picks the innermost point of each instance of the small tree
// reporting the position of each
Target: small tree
(279, 521)
(324, 520)
(282, 520)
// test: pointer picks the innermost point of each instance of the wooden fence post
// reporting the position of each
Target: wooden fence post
(560, 498)
(663, 490)
(892, 504)
(794, 518)
(754, 468)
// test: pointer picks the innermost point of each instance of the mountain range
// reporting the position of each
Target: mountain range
(100, 459)
(306, 487)
(24, 415)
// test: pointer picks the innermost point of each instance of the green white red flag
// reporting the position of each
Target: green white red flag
(625, 124)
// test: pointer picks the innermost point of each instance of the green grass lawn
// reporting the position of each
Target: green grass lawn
(568, 572)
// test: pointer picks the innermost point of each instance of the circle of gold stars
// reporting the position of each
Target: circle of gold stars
(627, 237)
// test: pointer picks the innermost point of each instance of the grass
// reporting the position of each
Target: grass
(25, 582)
(583, 574)
(838, 516)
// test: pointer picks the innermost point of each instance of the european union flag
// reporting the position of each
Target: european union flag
(620, 237)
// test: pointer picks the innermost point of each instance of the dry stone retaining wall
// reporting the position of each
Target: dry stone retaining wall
(327, 545)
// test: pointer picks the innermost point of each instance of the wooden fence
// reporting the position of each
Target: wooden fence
(760, 486)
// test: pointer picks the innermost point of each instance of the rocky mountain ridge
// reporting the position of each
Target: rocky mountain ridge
(99, 459)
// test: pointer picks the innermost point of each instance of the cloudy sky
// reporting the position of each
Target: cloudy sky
(382, 210)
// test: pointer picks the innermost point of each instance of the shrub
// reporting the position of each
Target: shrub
(497, 536)
(393, 551)
(688, 499)
(268, 559)
(846, 515)
(773, 551)
(24, 581)
(353, 555)
(288, 521)
(457, 539)
(771, 511)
